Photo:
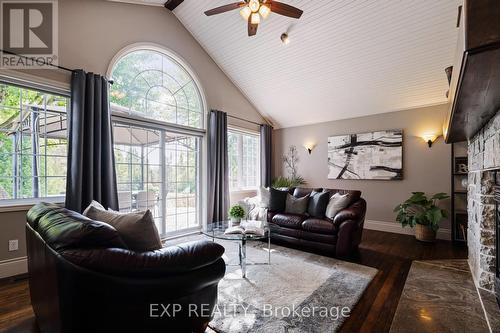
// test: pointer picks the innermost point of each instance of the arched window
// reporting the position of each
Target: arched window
(158, 164)
(154, 84)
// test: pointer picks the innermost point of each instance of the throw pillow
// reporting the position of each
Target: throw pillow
(277, 201)
(336, 204)
(264, 195)
(138, 230)
(93, 204)
(296, 205)
(317, 204)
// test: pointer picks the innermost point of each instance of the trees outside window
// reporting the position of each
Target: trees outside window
(33, 144)
(244, 160)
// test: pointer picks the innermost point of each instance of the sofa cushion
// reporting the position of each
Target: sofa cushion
(317, 204)
(320, 226)
(296, 205)
(40, 210)
(277, 202)
(138, 230)
(293, 221)
(64, 229)
(303, 191)
(174, 259)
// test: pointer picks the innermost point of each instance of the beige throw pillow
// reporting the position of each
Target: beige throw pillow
(137, 230)
(336, 204)
(94, 204)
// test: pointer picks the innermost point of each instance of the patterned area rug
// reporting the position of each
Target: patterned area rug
(298, 292)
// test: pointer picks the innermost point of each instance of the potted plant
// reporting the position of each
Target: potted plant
(236, 213)
(423, 213)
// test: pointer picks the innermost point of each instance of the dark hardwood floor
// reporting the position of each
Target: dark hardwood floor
(390, 253)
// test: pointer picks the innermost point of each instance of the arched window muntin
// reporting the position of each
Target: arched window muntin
(162, 88)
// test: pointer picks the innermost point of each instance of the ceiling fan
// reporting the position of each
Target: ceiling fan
(253, 10)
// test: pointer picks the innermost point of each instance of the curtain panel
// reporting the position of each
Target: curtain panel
(91, 164)
(266, 137)
(218, 170)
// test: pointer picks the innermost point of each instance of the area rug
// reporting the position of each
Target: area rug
(298, 292)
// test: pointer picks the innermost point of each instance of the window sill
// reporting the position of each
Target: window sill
(243, 191)
(26, 204)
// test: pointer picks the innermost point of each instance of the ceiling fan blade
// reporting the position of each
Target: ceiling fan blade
(225, 8)
(285, 10)
(252, 28)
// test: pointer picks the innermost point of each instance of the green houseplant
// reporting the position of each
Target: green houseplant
(423, 213)
(236, 213)
(282, 182)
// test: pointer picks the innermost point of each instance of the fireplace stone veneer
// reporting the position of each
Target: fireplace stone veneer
(484, 161)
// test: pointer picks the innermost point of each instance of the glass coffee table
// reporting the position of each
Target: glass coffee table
(216, 231)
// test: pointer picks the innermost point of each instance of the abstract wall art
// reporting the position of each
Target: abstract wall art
(375, 155)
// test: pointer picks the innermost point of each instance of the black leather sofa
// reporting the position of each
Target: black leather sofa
(339, 236)
(83, 279)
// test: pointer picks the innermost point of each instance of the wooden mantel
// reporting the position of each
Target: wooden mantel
(475, 85)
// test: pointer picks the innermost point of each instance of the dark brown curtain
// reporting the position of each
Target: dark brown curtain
(91, 164)
(218, 171)
(266, 157)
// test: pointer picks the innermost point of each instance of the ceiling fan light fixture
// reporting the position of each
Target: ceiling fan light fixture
(254, 5)
(245, 13)
(264, 11)
(255, 18)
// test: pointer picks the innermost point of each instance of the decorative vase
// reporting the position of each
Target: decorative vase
(424, 233)
(235, 220)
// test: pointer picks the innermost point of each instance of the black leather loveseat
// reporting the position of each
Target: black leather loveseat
(83, 279)
(339, 236)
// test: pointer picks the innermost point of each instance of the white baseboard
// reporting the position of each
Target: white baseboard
(12, 267)
(443, 233)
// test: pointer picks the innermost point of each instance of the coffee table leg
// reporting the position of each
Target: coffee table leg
(243, 258)
(269, 248)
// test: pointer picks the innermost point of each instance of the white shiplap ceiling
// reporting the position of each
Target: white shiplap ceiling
(347, 58)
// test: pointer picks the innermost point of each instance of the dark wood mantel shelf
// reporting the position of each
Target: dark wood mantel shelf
(475, 91)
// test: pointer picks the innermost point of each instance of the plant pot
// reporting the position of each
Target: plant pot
(235, 220)
(425, 233)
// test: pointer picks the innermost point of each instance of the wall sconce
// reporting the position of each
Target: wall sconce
(309, 147)
(429, 138)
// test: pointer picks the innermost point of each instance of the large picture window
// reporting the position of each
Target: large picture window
(244, 160)
(158, 121)
(33, 144)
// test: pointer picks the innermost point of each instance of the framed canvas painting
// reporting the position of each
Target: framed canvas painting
(375, 156)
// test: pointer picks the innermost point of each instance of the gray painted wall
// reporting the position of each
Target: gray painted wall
(91, 32)
(425, 169)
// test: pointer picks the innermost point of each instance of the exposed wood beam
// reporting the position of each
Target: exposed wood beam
(172, 4)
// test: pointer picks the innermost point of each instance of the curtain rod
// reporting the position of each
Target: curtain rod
(48, 64)
(248, 121)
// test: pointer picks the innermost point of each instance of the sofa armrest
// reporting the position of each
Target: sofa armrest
(171, 260)
(355, 212)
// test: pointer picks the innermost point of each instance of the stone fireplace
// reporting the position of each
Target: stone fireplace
(484, 162)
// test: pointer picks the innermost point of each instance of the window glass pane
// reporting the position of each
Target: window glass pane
(244, 160)
(162, 176)
(151, 84)
(33, 143)
(182, 152)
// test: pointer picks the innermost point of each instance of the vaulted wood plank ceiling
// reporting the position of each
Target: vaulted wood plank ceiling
(346, 58)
